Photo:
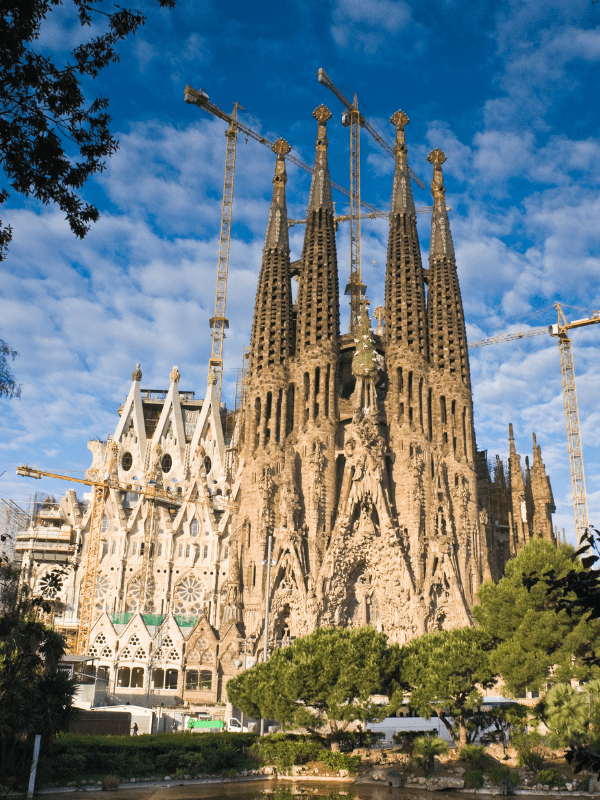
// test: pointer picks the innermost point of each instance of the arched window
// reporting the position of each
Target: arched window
(194, 526)
(166, 463)
(123, 677)
(171, 679)
(206, 680)
(191, 679)
(205, 551)
(137, 678)
(104, 524)
(158, 678)
(126, 462)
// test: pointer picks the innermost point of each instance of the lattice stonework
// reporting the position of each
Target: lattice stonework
(189, 596)
(132, 600)
(102, 591)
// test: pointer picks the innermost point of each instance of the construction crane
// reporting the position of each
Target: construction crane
(366, 215)
(101, 488)
(219, 322)
(560, 331)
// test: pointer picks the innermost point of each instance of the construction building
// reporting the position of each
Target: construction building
(350, 492)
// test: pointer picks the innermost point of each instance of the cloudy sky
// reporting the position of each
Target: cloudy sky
(509, 90)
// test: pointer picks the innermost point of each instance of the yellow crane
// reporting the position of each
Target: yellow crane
(353, 119)
(560, 331)
(101, 488)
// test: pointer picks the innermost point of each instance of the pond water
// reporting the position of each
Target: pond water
(267, 790)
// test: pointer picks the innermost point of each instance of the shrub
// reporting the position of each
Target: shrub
(473, 753)
(406, 740)
(530, 749)
(473, 779)
(505, 775)
(428, 747)
(284, 750)
(583, 785)
(338, 761)
(110, 783)
(350, 740)
(551, 777)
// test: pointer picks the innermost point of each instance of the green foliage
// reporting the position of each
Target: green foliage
(350, 740)
(8, 385)
(443, 669)
(337, 761)
(35, 698)
(504, 775)
(550, 777)
(51, 139)
(327, 677)
(427, 747)
(110, 783)
(533, 633)
(406, 740)
(473, 754)
(573, 717)
(530, 749)
(73, 758)
(473, 779)
(284, 750)
(583, 784)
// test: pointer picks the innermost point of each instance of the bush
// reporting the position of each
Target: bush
(338, 761)
(473, 779)
(530, 749)
(550, 777)
(428, 747)
(284, 750)
(473, 753)
(505, 775)
(405, 740)
(583, 785)
(350, 740)
(110, 783)
(75, 758)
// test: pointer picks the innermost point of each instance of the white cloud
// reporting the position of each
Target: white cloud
(365, 25)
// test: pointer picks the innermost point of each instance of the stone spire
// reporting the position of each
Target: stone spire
(543, 499)
(272, 326)
(277, 227)
(320, 188)
(318, 290)
(517, 494)
(406, 322)
(446, 319)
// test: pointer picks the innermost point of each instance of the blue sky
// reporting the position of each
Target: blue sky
(508, 90)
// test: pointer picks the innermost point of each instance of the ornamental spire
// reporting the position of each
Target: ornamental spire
(441, 238)
(402, 199)
(320, 188)
(277, 226)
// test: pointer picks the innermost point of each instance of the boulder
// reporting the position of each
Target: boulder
(594, 787)
(441, 784)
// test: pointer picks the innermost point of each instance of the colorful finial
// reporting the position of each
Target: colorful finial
(281, 147)
(399, 119)
(437, 158)
(402, 199)
(322, 114)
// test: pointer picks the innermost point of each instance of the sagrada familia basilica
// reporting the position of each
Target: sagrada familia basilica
(352, 462)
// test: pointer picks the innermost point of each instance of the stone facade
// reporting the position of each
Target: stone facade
(353, 458)
(357, 455)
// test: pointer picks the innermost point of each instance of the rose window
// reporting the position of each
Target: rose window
(125, 654)
(189, 596)
(100, 639)
(135, 640)
(173, 656)
(132, 601)
(93, 651)
(51, 584)
(102, 591)
(140, 654)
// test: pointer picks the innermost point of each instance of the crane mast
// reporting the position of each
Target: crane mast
(355, 287)
(219, 322)
(567, 368)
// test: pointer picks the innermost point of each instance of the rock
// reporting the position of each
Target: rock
(298, 769)
(167, 778)
(422, 781)
(131, 780)
(269, 771)
(441, 784)
(594, 787)
(569, 787)
(546, 787)
(459, 771)
(378, 775)
(343, 773)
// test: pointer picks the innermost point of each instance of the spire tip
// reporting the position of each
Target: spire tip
(399, 119)
(281, 147)
(322, 114)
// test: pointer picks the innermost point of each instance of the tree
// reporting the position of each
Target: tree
(326, 678)
(443, 670)
(51, 138)
(576, 593)
(8, 385)
(567, 714)
(537, 639)
(35, 696)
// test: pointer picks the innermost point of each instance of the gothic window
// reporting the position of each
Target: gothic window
(103, 673)
(226, 552)
(173, 656)
(137, 678)
(113, 548)
(134, 641)
(191, 680)
(100, 639)
(171, 679)
(158, 678)
(207, 464)
(123, 677)
(101, 592)
(194, 526)
(205, 680)
(106, 652)
(140, 654)
(180, 551)
(126, 462)
(166, 463)
(167, 642)
(104, 524)
(160, 549)
(187, 551)
(125, 654)
(93, 651)
(205, 555)
(189, 595)
(132, 601)
(104, 549)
